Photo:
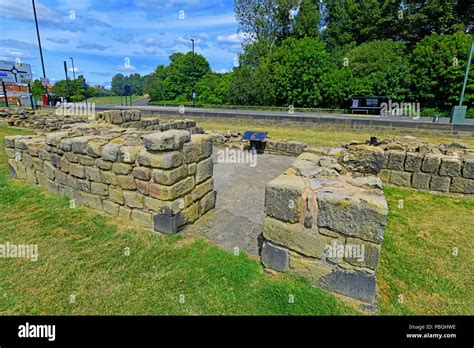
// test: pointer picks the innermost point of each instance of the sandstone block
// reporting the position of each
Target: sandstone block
(413, 162)
(462, 185)
(127, 182)
(358, 214)
(274, 257)
(396, 160)
(295, 237)
(440, 183)
(166, 141)
(165, 160)
(99, 189)
(169, 177)
(431, 164)
(400, 178)
(421, 181)
(116, 194)
(450, 167)
(133, 199)
(204, 170)
(142, 173)
(283, 198)
(468, 170)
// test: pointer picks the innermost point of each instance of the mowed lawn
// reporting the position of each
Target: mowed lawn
(91, 264)
(112, 100)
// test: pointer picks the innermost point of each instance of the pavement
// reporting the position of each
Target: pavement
(237, 220)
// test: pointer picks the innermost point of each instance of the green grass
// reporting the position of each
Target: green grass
(82, 254)
(112, 100)
(321, 137)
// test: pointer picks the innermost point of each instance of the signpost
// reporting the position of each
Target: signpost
(14, 72)
(127, 91)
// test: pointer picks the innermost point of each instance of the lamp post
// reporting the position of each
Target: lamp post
(458, 114)
(194, 93)
(74, 77)
(67, 83)
(40, 49)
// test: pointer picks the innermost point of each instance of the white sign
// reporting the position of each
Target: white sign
(15, 72)
(45, 81)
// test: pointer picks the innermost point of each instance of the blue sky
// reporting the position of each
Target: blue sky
(106, 37)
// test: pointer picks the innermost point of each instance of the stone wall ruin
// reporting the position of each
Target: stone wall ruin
(156, 180)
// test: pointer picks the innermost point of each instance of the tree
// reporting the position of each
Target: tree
(37, 89)
(380, 68)
(438, 66)
(213, 88)
(307, 21)
(296, 69)
(118, 81)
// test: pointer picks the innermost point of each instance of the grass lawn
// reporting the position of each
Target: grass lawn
(315, 137)
(112, 100)
(83, 257)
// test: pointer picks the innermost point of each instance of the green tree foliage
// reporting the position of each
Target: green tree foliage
(379, 68)
(213, 89)
(37, 89)
(135, 81)
(296, 68)
(438, 66)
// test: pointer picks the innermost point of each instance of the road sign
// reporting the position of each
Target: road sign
(45, 81)
(85, 85)
(15, 72)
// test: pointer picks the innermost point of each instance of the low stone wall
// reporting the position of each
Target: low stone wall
(133, 119)
(161, 181)
(41, 122)
(408, 162)
(326, 224)
(278, 147)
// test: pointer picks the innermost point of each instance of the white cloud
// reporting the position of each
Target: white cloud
(125, 68)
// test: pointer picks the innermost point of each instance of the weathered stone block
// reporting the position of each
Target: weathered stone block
(92, 174)
(450, 167)
(169, 177)
(99, 189)
(431, 164)
(108, 178)
(141, 218)
(413, 162)
(166, 141)
(295, 237)
(400, 178)
(274, 257)
(128, 154)
(94, 147)
(385, 175)
(142, 186)
(85, 160)
(79, 144)
(396, 160)
(169, 193)
(133, 199)
(364, 159)
(462, 185)
(468, 170)
(77, 170)
(361, 253)
(142, 173)
(121, 168)
(201, 189)
(127, 182)
(207, 203)
(359, 214)
(111, 207)
(104, 165)
(165, 160)
(168, 208)
(440, 183)
(204, 170)
(421, 181)
(116, 194)
(110, 152)
(125, 214)
(283, 198)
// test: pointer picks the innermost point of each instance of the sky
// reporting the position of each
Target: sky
(106, 37)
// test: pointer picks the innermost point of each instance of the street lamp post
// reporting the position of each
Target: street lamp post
(194, 93)
(67, 83)
(458, 114)
(40, 49)
(74, 77)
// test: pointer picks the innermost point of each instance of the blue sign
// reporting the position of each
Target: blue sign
(85, 85)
